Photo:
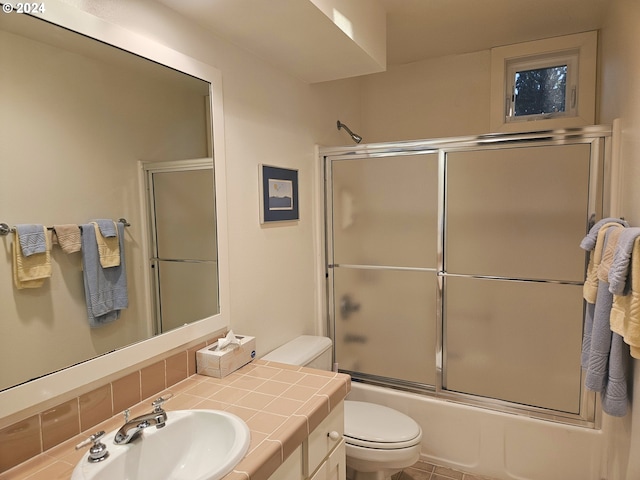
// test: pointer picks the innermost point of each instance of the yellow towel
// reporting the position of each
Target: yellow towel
(625, 311)
(30, 272)
(108, 248)
(590, 288)
(609, 252)
(68, 237)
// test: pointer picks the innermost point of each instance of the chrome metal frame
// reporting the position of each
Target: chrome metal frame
(600, 139)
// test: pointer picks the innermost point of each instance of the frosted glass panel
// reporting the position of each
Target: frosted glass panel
(385, 323)
(385, 211)
(189, 292)
(185, 217)
(518, 212)
(514, 341)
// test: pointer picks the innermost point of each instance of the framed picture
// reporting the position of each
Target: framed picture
(278, 194)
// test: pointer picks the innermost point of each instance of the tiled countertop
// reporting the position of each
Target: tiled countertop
(281, 404)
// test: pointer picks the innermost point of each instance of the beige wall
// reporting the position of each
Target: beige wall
(441, 97)
(620, 99)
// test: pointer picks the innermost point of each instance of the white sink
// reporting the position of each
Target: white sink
(194, 445)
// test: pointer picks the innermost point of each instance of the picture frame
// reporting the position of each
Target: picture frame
(278, 194)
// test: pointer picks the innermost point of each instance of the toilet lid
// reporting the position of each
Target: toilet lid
(376, 426)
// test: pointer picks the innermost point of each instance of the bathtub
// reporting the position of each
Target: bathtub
(499, 445)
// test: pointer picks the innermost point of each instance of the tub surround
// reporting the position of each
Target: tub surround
(281, 404)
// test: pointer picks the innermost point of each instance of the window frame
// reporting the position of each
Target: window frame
(578, 52)
(513, 66)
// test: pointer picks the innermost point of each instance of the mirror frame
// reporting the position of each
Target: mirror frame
(71, 380)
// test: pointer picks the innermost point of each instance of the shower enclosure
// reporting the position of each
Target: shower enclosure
(454, 267)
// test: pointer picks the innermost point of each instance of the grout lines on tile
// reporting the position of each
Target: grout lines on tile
(429, 471)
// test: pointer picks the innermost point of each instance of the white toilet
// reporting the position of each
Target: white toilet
(380, 441)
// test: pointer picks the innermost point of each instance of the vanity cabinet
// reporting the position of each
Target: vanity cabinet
(321, 456)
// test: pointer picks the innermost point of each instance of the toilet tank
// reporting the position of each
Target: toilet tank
(306, 350)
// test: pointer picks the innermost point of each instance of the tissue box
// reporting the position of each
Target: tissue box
(220, 363)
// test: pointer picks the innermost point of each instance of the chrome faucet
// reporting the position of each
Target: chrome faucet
(134, 427)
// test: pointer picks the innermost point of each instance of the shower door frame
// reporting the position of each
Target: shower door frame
(147, 171)
(599, 137)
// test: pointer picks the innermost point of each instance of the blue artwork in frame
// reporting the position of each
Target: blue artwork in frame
(278, 194)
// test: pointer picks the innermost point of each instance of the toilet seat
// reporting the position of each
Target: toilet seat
(375, 426)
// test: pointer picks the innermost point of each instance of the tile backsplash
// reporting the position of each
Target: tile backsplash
(33, 435)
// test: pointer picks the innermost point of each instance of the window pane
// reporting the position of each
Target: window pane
(517, 212)
(388, 338)
(514, 341)
(540, 91)
(385, 211)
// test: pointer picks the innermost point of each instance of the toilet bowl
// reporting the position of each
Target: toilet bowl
(379, 440)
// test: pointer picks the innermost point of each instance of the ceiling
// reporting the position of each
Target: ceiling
(420, 29)
(291, 34)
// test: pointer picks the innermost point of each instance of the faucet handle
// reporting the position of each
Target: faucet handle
(158, 402)
(98, 450)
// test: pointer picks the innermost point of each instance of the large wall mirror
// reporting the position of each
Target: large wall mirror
(83, 106)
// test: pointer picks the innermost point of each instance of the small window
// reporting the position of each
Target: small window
(542, 87)
(545, 84)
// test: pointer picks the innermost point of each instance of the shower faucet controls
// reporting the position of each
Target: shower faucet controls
(347, 306)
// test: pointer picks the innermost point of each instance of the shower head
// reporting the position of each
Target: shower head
(356, 138)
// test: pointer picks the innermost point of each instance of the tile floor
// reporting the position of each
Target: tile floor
(428, 471)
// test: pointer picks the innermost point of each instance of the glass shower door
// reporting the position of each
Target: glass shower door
(383, 266)
(454, 267)
(513, 273)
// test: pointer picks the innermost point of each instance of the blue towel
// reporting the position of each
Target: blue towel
(588, 243)
(586, 335)
(107, 227)
(105, 288)
(616, 391)
(32, 239)
(619, 270)
(602, 354)
(598, 365)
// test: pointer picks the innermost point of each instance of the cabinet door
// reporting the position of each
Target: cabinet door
(324, 439)
(334, 468)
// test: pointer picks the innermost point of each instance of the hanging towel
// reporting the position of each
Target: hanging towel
(590, 287)
(68, 237)
(625, 312)
(615, 396)
(598, 364)
(608, 252)
(606, 358)
(619, 270)
(105, 288)
(108, 247)
(32, 239)
(31, 271)
(589, 242)
(591, 292)
(107, 227)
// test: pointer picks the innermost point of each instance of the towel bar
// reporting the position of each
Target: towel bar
(6, 229)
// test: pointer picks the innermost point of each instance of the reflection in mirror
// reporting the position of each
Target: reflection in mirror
(76, 118)
(180, 207)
